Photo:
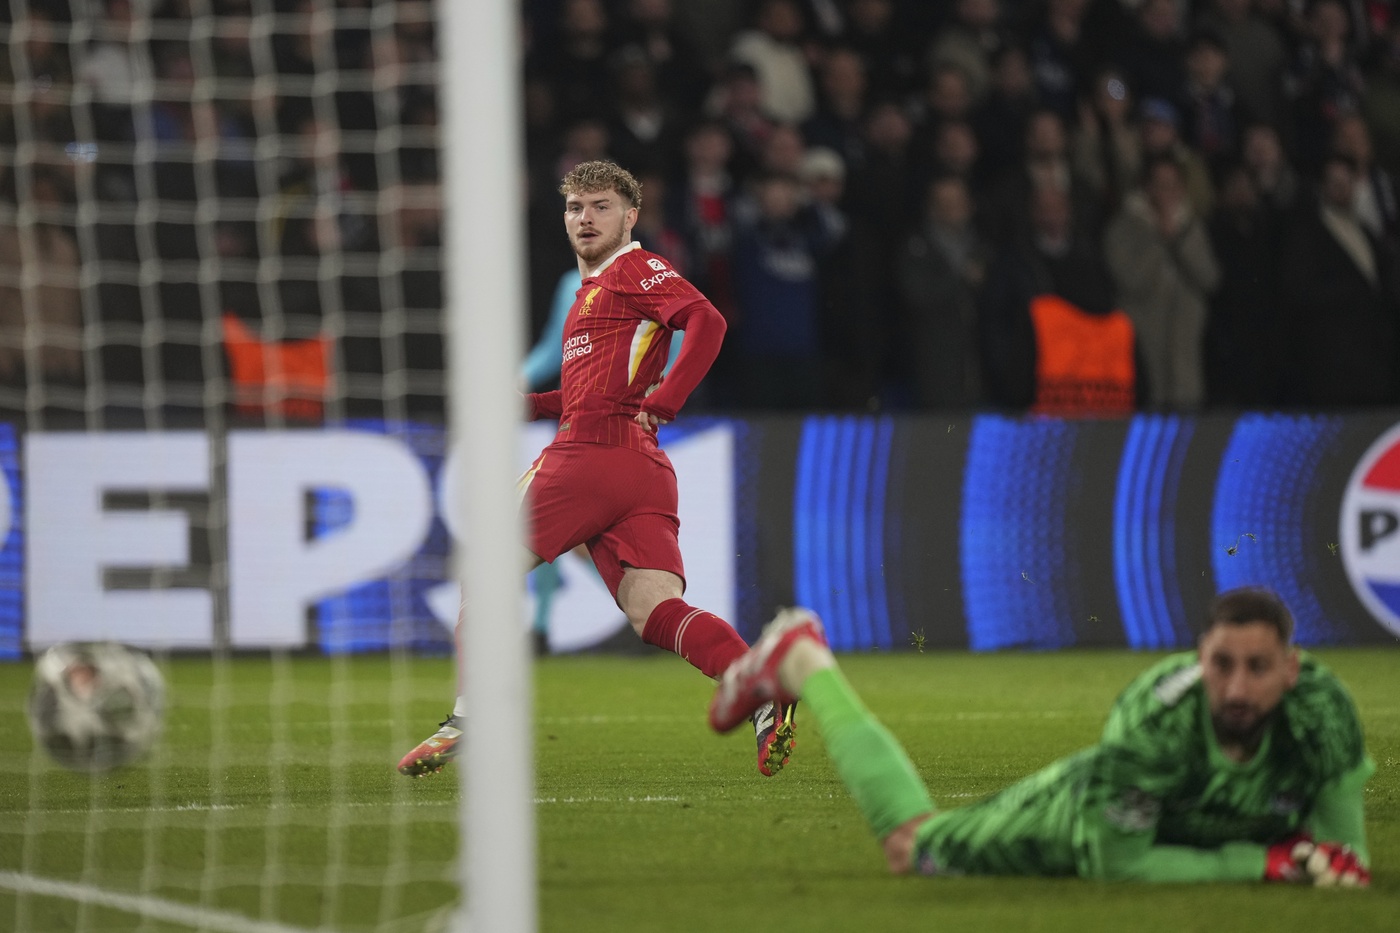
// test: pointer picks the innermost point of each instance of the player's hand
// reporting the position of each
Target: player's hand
(1335, 864)
(1284, 861)
(1300, 860)
(649, 421)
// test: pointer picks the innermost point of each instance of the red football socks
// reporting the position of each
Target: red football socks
(702, 638)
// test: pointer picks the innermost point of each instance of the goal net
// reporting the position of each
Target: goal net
(223, 433)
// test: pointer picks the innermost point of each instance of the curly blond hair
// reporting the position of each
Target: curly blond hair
(592, 177)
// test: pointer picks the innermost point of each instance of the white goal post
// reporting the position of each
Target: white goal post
(222, 398)
(482, 147)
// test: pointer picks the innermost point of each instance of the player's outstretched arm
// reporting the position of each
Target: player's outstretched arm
(1234, 861)
(1339, 812)
(1116, 827)
(704, 333)
(1338, 816)
(1114, 852)
(1115, 841)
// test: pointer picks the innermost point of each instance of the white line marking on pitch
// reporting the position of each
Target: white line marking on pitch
(232, 808)
(142, 904)
(452, 802)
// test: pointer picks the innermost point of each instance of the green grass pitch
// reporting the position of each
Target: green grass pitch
(273, 795)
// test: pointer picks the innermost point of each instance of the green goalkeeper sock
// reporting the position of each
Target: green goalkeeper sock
(871, 762)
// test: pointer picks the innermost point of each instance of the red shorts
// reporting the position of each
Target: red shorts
(620, 502)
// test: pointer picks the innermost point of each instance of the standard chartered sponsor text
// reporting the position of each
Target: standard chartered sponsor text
(578, 345)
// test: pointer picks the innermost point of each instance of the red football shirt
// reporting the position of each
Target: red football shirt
(617, 337)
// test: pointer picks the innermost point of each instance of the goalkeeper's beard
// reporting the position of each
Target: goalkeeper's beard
(1236, 729)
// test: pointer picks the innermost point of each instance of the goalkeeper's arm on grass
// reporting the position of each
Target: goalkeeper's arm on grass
(1116, 834)
(1333, 848)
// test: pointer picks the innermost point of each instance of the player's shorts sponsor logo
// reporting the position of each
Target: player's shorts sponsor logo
(655, 280)
(1370, 529)
(576, 346)
(657, 264)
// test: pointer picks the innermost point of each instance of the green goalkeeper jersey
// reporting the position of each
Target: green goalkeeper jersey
(1157, 799)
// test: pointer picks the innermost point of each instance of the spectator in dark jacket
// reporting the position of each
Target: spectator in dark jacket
(1244, 340)
(645, 130)
(890, 51)
(1257, 56)
(1106, 150)
(1064, 54)
(940, 270)
(1154, 53)
(778, 334)
(850, 339)
(1377, 201)
(651, 26)
(1000, 119)
(837, 122)
(1047, 164)
(1211, 119)
(1341, 300)
(1269, 168)
(1326, 81)
(701, 205)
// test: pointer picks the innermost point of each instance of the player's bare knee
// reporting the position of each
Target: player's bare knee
(641, 591)
(636, 609)
(637, 606)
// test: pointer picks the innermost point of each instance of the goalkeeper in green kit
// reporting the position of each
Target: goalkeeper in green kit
(1242, 761)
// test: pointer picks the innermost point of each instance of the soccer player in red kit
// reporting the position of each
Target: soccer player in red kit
(604, 481)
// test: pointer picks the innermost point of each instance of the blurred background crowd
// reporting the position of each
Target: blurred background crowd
(1082, 206)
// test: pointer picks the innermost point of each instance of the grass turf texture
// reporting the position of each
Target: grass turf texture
(647, 821)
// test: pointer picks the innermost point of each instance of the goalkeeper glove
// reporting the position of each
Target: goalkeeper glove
(1299, 859)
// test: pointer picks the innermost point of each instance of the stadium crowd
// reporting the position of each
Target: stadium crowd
(917, 205)
(1062, 205)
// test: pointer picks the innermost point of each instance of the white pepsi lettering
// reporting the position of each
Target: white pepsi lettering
(71, 537)
(274, 571)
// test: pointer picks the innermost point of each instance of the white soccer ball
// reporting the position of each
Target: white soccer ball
(95, 705)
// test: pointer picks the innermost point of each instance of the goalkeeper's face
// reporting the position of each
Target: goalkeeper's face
(597, 223)
(1246, 669)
